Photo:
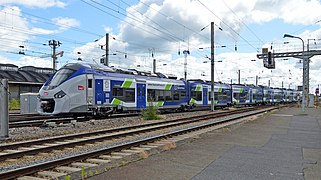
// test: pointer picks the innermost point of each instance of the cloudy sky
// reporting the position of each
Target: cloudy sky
(142, 30)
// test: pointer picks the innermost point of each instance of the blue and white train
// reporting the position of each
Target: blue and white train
(79, 89)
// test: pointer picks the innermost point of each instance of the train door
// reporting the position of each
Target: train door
(205, 96)
(99, 94)
(90, 89)
(251, 95)
(141, 95)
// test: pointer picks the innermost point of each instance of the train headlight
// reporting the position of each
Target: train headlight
(59, 94)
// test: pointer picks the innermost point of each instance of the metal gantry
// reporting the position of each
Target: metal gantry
(305, 56)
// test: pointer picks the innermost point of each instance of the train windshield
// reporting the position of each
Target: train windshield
(61, 76)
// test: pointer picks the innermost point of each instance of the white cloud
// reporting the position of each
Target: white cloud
(32, 61)
(13, 28)
(27, 61)
(42, 31)
(65, 23)
(35, 3)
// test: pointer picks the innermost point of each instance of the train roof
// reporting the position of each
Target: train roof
(123, 73)
(100, 67)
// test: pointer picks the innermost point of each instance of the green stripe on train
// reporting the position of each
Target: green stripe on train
(160, 104)
(220, 89)
(116, 101)
(127, 83)
(168, 86)
(192, 100)
(198, 88)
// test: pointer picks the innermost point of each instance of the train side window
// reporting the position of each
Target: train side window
(236, 96)
(129, 95)
(176, 95)
(143, 92)
(151, 96)
(197, 95)
(216, 96)
(90, 83)
(138, 91)
(117, 92)
(160, 95)
(182, 94)
(168, 95)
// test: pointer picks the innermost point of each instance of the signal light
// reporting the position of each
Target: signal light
(269, 58)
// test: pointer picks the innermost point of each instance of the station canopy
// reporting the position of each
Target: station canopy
(25, 74)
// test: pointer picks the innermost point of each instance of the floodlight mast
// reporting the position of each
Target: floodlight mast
(305, 72)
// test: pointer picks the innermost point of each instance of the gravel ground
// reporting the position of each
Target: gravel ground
(29, 133)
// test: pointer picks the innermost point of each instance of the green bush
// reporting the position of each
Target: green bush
(151, 112)
(14, 104)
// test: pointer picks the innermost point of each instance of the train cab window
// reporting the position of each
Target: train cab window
(90, 83)
(61, 76)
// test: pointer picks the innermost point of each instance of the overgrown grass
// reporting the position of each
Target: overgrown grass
(151, 112)
(14, 104)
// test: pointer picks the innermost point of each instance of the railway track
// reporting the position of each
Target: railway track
(114, 140)
(36, 120)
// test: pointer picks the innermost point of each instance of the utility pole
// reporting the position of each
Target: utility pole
(107, 50)
(212, 65)
(154, 66)
(185, 52)
(54, 44)
(239, 78)
(256, 80)
(4, 111)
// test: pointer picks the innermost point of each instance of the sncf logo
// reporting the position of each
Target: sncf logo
(45, 93)
(81, 87)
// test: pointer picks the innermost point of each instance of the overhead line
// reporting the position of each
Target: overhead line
(227, 25)
(243, 22)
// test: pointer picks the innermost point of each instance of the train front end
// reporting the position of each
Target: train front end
(65, 92)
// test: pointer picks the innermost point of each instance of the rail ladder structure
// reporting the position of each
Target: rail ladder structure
(269, 62)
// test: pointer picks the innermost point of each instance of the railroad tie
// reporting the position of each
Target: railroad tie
(123, 154)
(131, 151)
(30, 178)
(110, 157)
(67, 169)
(98, 161)
(51, 174)
(80, 164)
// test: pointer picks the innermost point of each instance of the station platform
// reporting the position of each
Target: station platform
(285, 144)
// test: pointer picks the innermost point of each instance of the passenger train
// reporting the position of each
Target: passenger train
(79, 89)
